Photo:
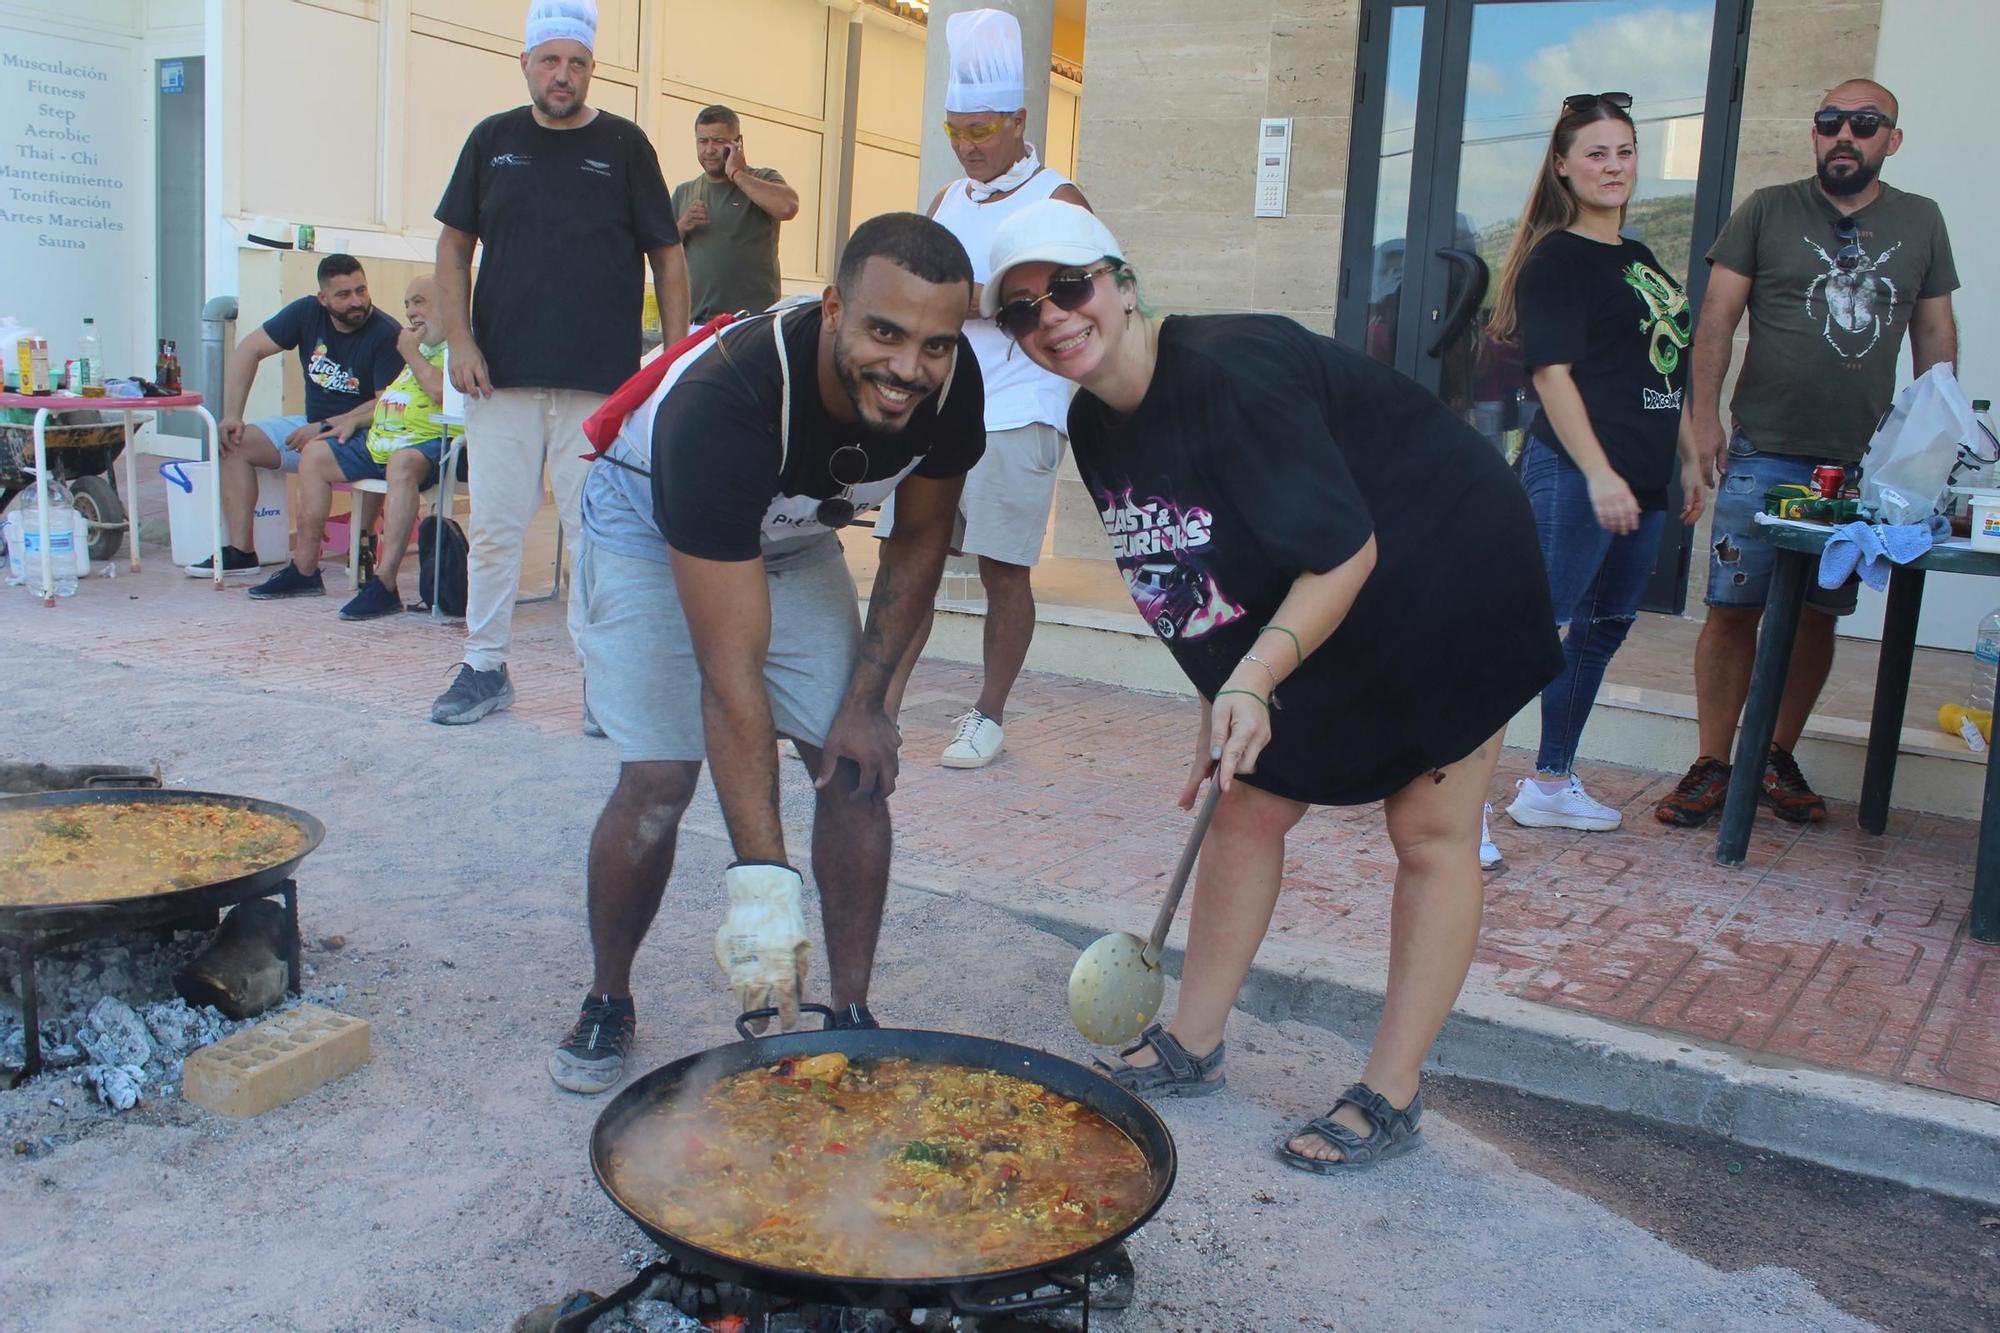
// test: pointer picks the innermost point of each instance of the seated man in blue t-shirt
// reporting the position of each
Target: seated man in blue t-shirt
(347, 349)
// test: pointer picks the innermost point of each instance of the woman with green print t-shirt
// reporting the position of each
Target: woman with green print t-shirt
(1604, 330)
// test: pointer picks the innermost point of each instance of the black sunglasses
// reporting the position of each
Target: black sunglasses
(1828, 120)
(1851, 255)
(848, 467)
(1069, 291)
(1585, 101)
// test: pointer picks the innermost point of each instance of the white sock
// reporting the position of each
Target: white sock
(1550, 786)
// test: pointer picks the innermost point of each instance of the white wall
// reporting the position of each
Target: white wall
(1936, 56)
(76, 197)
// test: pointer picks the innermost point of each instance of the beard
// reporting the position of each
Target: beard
(542, 104)
(1847, 183)
(852, 381)
(349, 323)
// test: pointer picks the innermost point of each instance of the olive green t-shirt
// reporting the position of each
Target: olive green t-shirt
(732, 258)
(1821, 365)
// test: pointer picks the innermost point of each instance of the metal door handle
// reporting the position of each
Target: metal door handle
(1471, 291)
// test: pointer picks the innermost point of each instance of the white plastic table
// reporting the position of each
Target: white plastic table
(43, 404)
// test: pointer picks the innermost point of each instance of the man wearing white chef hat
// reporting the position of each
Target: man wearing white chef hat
(1005, 508)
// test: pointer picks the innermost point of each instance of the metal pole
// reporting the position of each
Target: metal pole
(1892, 694)
(218, 335)
(1760, 712)
(843, 213)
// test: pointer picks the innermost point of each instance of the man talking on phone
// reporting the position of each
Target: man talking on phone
(728, 219)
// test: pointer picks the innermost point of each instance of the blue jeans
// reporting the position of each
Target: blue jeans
(1595, 581)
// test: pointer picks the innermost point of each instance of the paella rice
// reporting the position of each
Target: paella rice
(886, 1168)
(52, 855)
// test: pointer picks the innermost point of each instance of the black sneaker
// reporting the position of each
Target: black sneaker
(855, 1017)
(592, 1057)
(236, 564)
(375, 600)
(473, 694)
(288, 582)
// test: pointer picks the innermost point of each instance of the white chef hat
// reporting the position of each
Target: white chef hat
(561, 21)
(986, 73)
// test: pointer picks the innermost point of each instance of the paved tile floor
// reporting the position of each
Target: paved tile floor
(1827, 946)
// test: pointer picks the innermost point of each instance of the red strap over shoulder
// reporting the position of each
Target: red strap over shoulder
(602, 426)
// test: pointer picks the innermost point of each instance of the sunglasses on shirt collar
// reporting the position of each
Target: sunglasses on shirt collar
(1067, 291)
(849, 468)
(1850, 255)
(1828, 120)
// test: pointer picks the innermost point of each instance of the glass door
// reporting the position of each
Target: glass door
(1454, 102)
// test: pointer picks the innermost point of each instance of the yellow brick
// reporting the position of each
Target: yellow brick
(279, 1060)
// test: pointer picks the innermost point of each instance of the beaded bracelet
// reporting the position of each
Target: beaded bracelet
(1297, 651)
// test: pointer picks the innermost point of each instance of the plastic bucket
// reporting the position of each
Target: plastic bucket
(1985, 520)
(189, 503)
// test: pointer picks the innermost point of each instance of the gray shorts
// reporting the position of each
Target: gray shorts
(1003, 513)
(642, 682)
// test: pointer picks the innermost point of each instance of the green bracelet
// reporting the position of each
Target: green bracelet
(1251, 693)
(1298, 651)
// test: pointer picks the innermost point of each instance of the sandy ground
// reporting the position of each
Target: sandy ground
(445, 1186)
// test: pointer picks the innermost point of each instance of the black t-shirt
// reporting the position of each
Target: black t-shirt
(565, 219)
(722, 487)
(1622, 325)
(343, 370)
(1262, 451)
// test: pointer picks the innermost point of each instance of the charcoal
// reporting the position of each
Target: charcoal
(118, 1086)
(116, 1035)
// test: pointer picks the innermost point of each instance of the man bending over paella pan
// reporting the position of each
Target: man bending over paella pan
(717, 613)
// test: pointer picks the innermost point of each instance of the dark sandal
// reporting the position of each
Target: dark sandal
(1177, 1074)
(1391, 1133)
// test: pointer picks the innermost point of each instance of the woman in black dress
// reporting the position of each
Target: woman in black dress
(1349, 577)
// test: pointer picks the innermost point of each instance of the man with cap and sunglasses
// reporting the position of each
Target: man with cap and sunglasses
(1834, 269)
(1005, 509)
(718, 614)
(569, 210)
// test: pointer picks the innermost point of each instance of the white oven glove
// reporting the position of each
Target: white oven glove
(762, 944)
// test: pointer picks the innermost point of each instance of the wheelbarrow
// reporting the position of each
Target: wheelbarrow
(81, 446)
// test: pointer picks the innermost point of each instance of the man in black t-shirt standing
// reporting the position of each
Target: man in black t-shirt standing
(717, 614)
(569, 207)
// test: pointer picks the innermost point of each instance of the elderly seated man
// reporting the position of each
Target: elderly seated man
(403, 445)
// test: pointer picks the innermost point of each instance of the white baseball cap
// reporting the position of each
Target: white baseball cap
(1049, 231)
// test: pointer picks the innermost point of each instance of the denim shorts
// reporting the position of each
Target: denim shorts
(1739, 563)
(278, 429)
(357, 464)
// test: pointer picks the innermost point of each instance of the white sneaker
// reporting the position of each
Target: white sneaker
(1568, 808)
(977, 743)
(1489, 855)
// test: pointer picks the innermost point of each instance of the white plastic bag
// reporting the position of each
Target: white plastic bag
(1905, 473)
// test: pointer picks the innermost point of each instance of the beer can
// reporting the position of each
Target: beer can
(1828, 479)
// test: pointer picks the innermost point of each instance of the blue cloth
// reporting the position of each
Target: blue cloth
(1596, 579)
(1868, 548)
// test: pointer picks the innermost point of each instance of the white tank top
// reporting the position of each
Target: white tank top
(1018, 392)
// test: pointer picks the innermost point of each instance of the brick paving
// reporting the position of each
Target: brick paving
(1827, 946)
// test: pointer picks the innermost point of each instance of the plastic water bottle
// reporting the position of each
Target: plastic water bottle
(60, 539)
(1985, 661)
(90, 353)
